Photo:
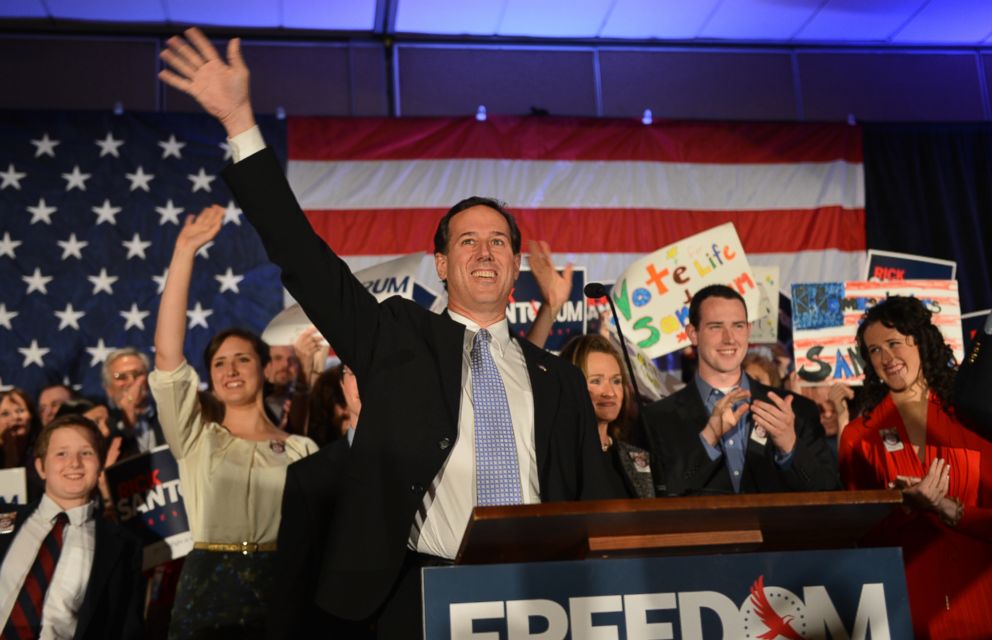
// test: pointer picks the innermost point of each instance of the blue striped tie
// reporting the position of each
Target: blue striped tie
(497, 474)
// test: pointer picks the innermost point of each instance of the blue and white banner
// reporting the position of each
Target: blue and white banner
(148, 499)
(846, 594)
(525, 302)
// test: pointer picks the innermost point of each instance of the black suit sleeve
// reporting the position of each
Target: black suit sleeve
(814, 465)
(134, 609)
(296, 566)
(337, 303)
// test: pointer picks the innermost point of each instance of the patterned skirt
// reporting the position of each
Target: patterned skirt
(222, 595)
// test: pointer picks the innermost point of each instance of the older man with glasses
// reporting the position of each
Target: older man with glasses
(132, 414)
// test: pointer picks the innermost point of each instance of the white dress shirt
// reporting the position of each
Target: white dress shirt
(72, 573)
(442, 518)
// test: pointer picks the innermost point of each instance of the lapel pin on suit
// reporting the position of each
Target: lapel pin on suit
(7, 522)
(542, 368)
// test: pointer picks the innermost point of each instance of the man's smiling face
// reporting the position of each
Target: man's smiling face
(480, 266)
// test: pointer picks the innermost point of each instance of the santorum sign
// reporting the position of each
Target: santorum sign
(840, 595)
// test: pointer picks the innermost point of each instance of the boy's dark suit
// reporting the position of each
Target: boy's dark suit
(682, 466)
(408, 362)
(113, 605)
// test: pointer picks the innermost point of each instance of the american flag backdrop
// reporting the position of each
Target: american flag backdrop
(90, 207)
(601, 192)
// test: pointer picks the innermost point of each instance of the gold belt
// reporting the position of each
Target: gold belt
(243, 547)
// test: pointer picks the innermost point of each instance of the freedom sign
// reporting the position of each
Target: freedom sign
(826, 315)
(653, 295)
(850, 594)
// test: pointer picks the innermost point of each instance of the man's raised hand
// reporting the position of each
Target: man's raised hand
(220, 87)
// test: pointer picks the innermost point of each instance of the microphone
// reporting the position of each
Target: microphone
(598, 290)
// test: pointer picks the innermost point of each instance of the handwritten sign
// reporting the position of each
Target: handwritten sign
(826, 315)
(653, 295)
(764, 330)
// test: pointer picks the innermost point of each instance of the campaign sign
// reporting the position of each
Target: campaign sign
(825, 318)
(392, 278)
(13, 486)
(850, 594)
(148, 499)
(653, 295)
(888, 265)
(764, 330)
(525, 302)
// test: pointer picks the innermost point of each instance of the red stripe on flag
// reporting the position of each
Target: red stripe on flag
(398, 231)
(529, 138)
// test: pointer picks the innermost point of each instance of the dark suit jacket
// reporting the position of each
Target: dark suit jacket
(972, 397)
(115, 595)
(681, 465)
(408, 363)
(307, 505)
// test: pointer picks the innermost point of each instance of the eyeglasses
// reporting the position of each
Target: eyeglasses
(125, 376)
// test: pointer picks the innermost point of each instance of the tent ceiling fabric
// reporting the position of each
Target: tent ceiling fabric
(874, 23)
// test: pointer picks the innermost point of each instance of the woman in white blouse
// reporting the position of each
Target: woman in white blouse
(232, 458)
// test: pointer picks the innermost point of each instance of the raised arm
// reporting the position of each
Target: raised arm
(170, 328)
(220, 87)
(555, 288)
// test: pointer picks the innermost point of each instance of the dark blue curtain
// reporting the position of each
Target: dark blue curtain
(928, 191)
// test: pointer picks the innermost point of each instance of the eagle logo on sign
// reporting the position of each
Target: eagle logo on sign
(767, 622)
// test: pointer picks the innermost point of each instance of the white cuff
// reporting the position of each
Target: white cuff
(246, 143)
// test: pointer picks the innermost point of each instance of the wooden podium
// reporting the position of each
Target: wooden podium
(673, 526)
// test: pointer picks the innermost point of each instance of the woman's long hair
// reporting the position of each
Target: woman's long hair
(577, 352)
(909, 317)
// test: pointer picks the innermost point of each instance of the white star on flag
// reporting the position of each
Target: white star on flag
(229, 281)
(34, 355)
(226, 146)
(168, 213)
(98, 353)
(201, 180)
(204, 251)
(12, 177)
(5, 387)
(41, 212)
(72, 247)
(134, 317)
(102, 282)
(171, 147)
(7, 246)
(139, 179)
(45, 146)
(232, 213)
(198, 316)
(37, 281)
(69, 317)
(160, 281)
(106, 213)
(76, 179)
(136, 247)
(109, 146)
(6, 317)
